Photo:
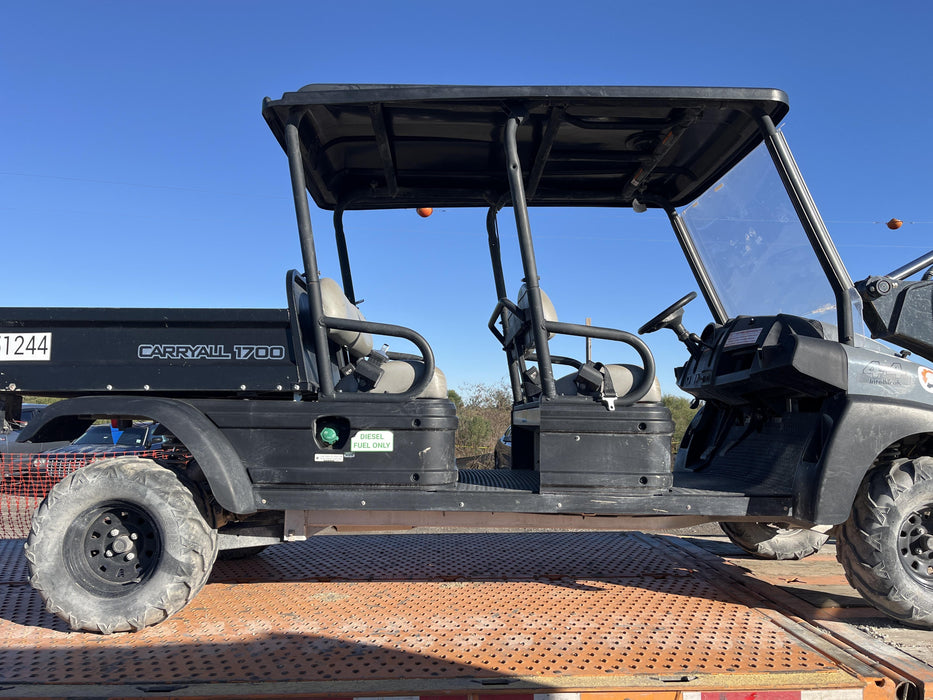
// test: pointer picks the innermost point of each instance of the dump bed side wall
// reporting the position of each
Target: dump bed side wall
(81, 351)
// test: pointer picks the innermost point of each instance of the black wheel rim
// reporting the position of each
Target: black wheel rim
(915, 545)
(111, 549)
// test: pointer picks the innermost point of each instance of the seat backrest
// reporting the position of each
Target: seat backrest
(336, 305)
(523, 302)
(523, 325)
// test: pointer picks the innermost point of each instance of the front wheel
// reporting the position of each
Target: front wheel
(119, 545)
(774, 540)
(886, 545)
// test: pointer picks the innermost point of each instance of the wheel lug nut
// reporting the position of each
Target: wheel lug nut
(108, 554)
(114, 532)
(130, 556)
(134, 536)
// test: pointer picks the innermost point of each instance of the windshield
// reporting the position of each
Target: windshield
(103, 435)
(754, 248)
(95, 435)
(131, 437)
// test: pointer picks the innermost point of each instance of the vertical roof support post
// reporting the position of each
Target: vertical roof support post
(495, 255)
(309, 257)
(520, 206)
(344, 256)
(813, 225)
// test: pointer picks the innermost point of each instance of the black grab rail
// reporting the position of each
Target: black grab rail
(637, 392)
(393, 331)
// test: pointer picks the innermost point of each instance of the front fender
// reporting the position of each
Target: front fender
(226, 474)
(862, 428)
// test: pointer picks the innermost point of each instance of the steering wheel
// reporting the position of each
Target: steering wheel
(670, 317)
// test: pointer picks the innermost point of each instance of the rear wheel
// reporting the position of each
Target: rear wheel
(119, 545)
(886, 545)
(774, 540)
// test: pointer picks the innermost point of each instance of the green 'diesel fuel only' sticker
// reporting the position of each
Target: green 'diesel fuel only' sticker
(373, 441)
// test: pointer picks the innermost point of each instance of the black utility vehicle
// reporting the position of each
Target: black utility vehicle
(295, 421)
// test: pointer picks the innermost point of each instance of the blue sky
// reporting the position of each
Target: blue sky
(136, 169)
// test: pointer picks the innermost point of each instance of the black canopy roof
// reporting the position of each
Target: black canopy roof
(396, 146)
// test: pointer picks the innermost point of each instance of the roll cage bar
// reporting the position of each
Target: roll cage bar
(320, 323)
(639, 147)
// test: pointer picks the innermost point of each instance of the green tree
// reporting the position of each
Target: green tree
(682, 415)
(484, 412)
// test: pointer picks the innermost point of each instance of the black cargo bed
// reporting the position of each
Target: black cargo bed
(68, 351)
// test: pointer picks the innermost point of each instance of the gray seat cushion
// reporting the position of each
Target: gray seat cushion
(624, 377)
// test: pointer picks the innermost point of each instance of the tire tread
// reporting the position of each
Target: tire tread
(188, 577)
(863, 541)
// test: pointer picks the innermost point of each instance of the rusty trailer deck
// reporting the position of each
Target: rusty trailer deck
(604, 615)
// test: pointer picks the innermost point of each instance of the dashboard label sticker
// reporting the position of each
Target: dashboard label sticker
(747, 337)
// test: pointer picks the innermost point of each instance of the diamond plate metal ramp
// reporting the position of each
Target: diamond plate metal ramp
(355, 615)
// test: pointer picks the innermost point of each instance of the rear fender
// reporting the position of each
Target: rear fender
(222, 466)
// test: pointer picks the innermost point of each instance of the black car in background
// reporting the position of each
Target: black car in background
(102, 441)
(502, 454)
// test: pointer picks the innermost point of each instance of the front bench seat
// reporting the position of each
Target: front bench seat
(622, 376)
(398, 375)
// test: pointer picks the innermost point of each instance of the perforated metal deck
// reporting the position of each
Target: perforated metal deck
(442, 613)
